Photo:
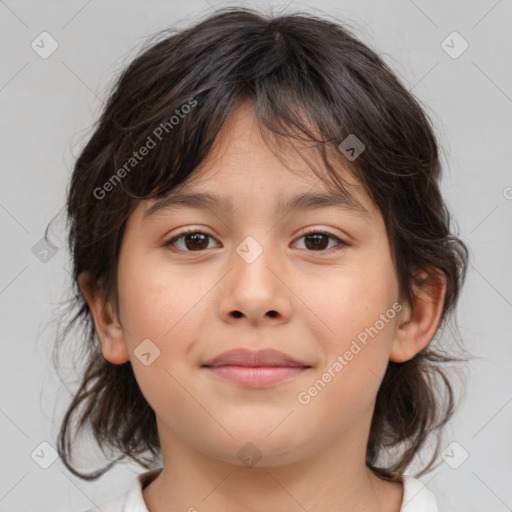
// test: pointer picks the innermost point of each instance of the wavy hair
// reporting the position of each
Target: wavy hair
(313, 81)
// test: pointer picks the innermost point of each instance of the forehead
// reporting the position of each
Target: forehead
(247, 163)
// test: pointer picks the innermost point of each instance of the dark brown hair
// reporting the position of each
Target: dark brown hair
(311, 80)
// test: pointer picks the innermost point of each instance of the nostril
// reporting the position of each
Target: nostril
(272, 313)
(237, 314)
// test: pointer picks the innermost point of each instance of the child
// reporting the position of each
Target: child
(262, 257)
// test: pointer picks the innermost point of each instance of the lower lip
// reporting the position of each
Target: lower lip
(258, 376)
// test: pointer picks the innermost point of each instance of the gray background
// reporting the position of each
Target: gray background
(48, 107)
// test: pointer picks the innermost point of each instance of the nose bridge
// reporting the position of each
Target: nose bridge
(255, 290)
(254, 256)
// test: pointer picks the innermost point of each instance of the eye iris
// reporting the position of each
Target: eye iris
(317, 244)
(198, 239)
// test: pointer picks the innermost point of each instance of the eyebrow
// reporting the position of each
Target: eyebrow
(304, 201)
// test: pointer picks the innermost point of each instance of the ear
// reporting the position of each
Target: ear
(418, 322)
(108, 329)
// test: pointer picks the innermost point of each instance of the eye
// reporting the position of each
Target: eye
(317, 240)
(193, 240)
(196, 241)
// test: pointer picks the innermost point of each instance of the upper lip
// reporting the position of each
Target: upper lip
(251, 358)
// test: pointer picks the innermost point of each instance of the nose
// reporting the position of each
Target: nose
(255, 289)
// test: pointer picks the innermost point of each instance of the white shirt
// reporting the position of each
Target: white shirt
(416, 498)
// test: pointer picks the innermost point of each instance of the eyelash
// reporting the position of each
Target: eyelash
(338, 247)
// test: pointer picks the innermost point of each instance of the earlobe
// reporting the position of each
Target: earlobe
(418, 322)
(108, 329)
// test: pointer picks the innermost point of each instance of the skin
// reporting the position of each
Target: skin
(313, 455)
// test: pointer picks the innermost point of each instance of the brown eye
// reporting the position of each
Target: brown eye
(193, 241)
(319, 241)
(197, 241)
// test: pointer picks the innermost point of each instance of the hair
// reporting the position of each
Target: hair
(311, 80)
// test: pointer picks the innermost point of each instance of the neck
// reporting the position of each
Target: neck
(329, 480)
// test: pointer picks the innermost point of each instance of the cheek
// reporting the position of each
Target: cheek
(352, 302)
(157, 303)
(358, 312)
(155, 297)
(355, 359)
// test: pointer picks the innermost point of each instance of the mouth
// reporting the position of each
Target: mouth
(255, 369)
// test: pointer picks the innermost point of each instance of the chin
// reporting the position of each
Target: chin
(254, 447)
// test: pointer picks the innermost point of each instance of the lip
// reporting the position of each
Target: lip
(251, 358)
(255, 368)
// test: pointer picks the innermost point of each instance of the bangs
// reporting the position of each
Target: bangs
(183, 107)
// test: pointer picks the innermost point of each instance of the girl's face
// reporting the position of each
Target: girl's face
(250, 279)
